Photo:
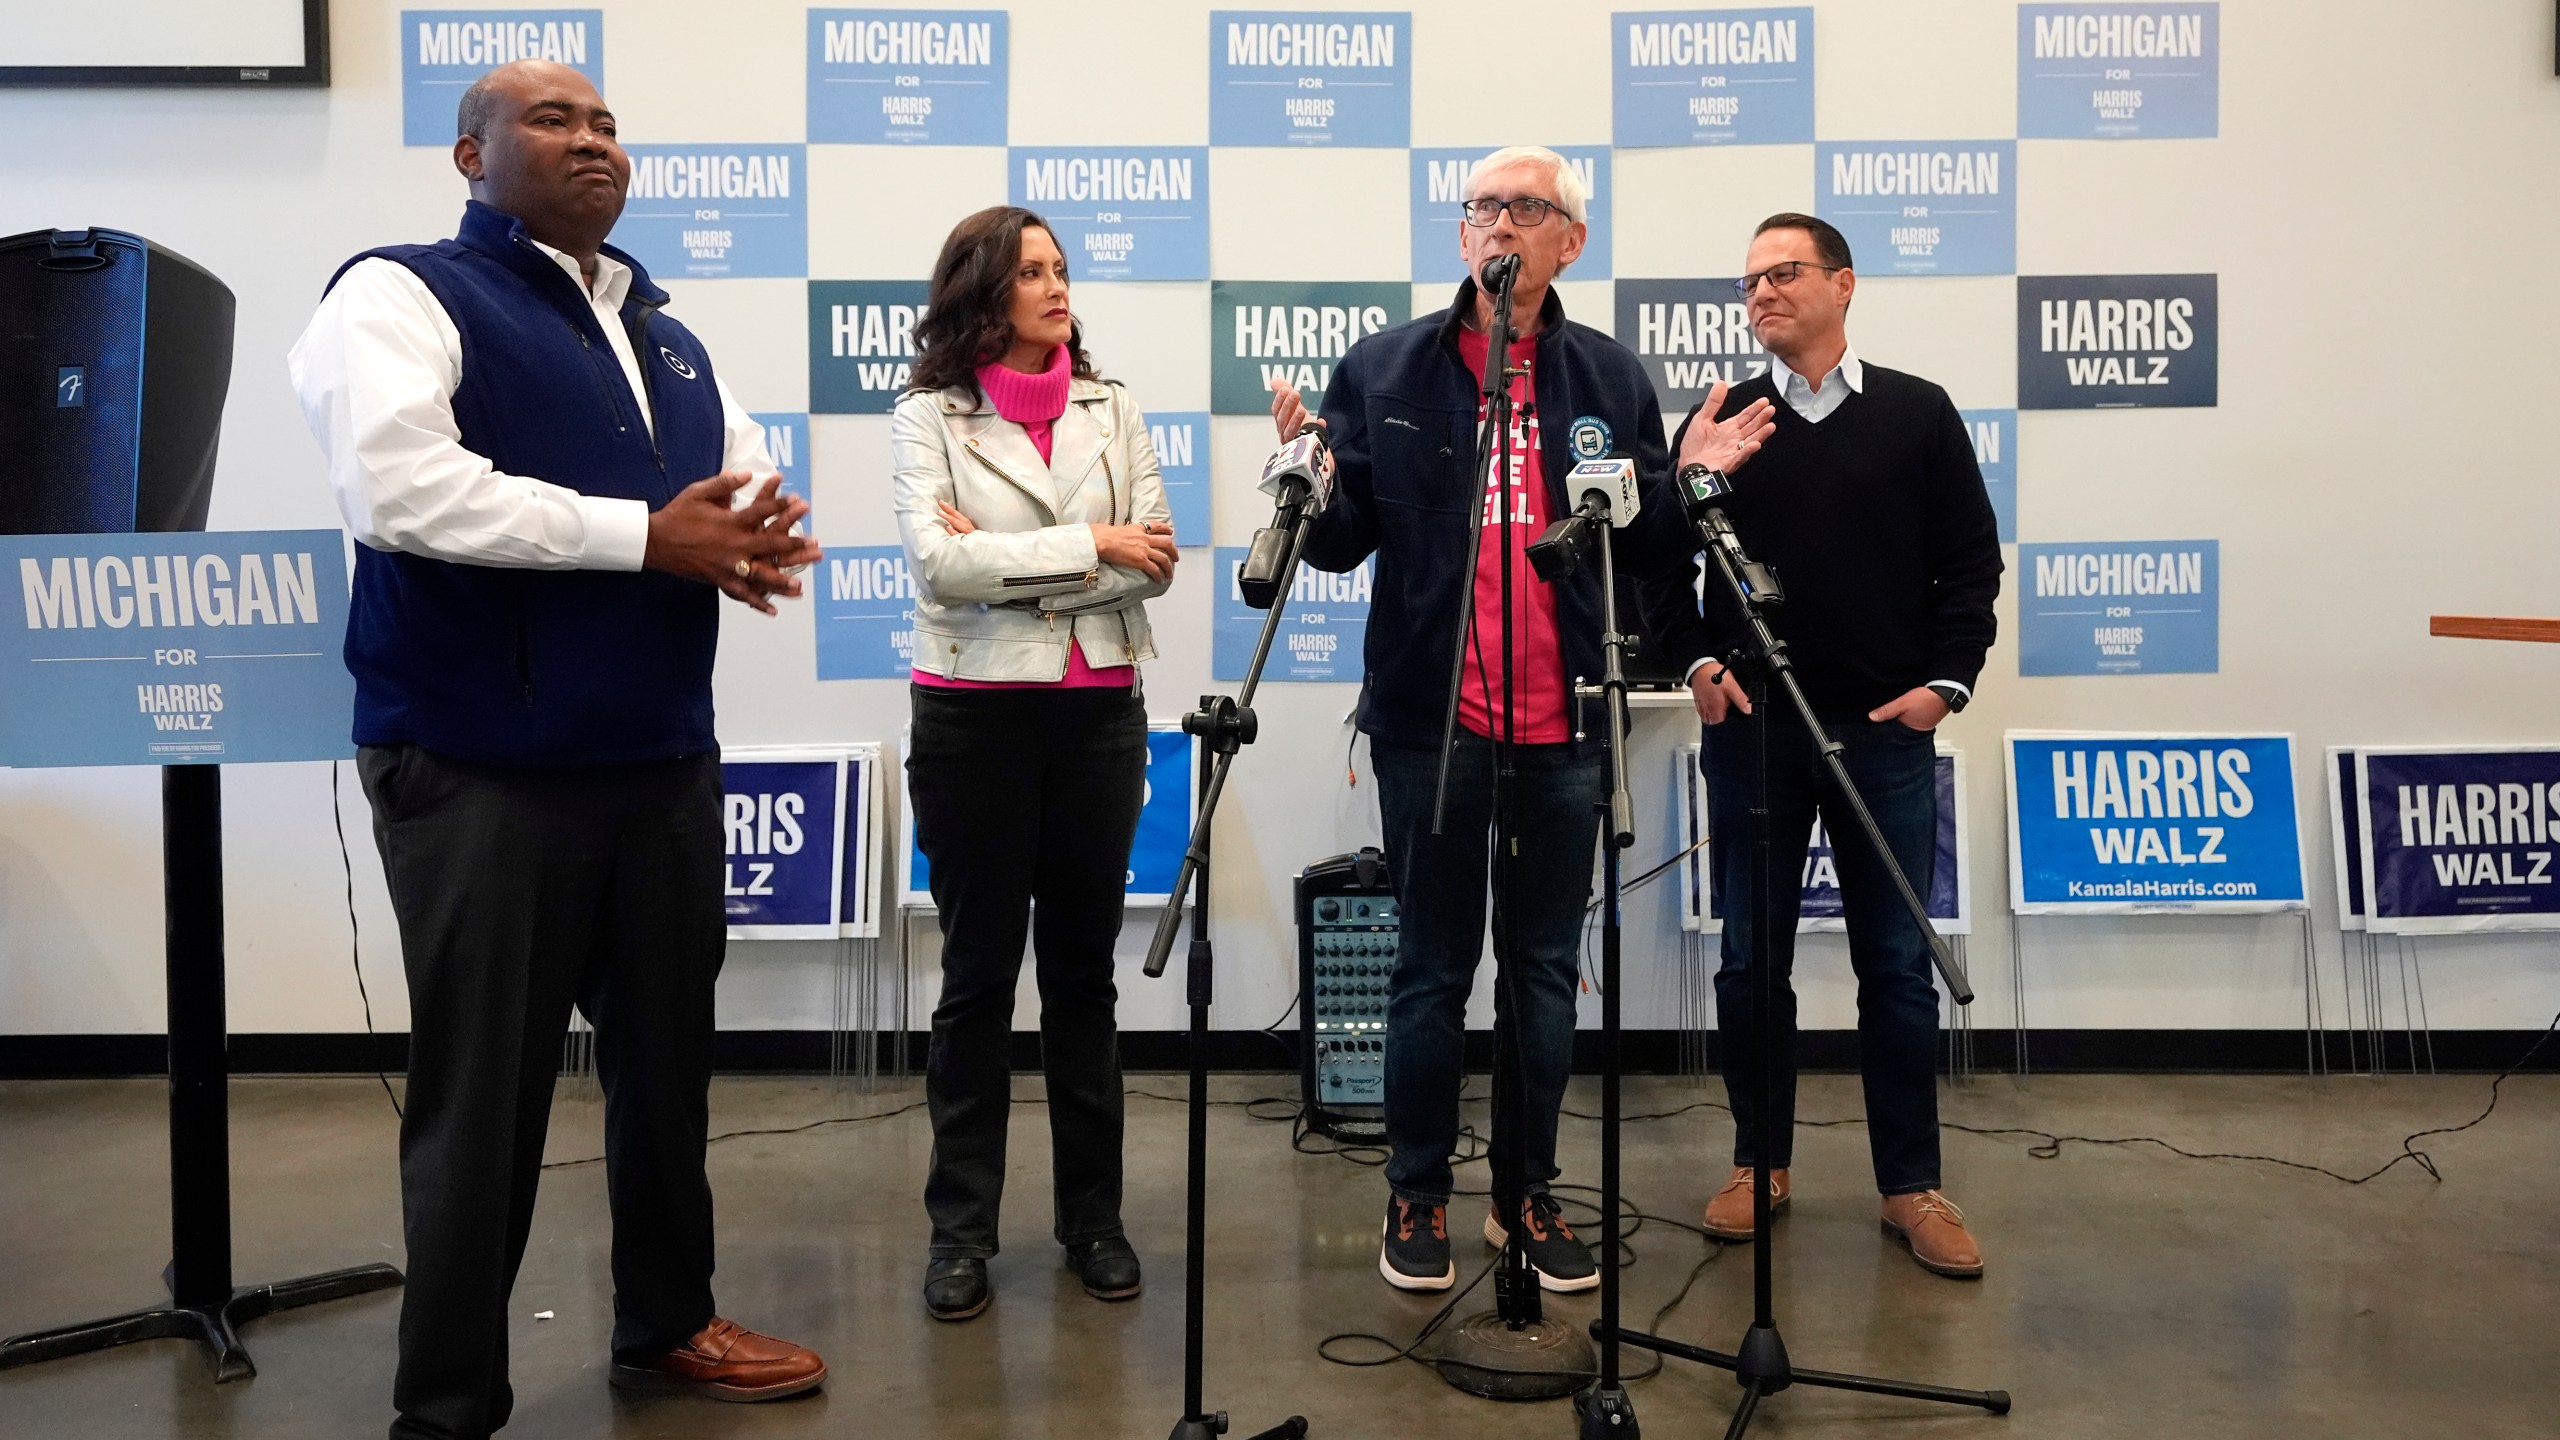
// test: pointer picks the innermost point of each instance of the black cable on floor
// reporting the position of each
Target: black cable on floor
(355, 943)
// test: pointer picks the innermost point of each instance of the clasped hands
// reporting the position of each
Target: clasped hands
(745, 549)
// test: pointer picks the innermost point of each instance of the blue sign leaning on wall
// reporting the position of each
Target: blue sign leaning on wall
(172, 649)
(908, 77)
(1323, 630)
(1311, 77)
(2119, 71)
(1120, 214)
(2346, 837)
(1155, 855)
(801, 830)
(2117, 823)
(443, 51)
(2459, 838)
(1922, 207)
(866, 613)
(1950, 900)
(2120, 607)
(717, 212)
(1440, 187)
(1712, 77)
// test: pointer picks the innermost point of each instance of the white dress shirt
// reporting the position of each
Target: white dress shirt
(376, 371)
(1816, 406)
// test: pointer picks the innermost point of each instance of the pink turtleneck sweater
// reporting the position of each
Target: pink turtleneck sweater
(1035, 402)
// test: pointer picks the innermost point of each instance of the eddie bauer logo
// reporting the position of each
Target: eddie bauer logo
(71, 387)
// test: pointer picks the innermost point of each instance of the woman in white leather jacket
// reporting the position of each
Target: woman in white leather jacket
(1035, 521)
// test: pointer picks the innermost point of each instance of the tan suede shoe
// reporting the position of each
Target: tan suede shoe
(1728, 1214)
(727, 1361)
(1933, 1227)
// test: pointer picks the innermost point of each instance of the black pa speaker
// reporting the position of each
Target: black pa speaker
(115, 358)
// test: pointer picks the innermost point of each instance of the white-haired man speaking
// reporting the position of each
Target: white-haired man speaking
(1403, 411)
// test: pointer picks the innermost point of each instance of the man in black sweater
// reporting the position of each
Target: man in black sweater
(1868, 504)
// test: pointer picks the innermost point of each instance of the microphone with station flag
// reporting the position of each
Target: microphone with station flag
(1704, 490)
(1299, 479)
(1605, 495)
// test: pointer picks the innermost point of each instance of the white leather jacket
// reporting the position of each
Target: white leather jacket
(1005, 601)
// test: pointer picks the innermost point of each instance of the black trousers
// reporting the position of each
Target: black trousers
(1026, 803)
(520, 893)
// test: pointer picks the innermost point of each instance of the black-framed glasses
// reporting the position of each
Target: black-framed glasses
(1526, 211)
(1781, 275)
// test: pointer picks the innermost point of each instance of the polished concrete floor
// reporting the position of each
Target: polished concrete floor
(2130, 1293)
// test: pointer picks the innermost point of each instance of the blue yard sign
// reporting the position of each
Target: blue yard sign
(1819, 906)
(218, 647)
(2119, 823)
(2458, 838)
(800, 829)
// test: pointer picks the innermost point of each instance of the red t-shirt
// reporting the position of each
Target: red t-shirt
(1538, 684)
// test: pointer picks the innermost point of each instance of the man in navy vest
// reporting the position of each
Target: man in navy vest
(552, 489)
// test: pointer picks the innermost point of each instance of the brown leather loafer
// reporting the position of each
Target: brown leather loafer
(1933, 1227)
(727, 1361)
(1728, 1214)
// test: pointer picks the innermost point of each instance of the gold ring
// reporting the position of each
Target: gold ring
(744, 569)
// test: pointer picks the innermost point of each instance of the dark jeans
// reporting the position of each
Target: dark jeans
(520, 893)
(1893, 767)
(1441, 883)
(1026, 803)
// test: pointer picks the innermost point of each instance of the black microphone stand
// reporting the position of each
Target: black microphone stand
(1603, 1411)
(1224, 726)
(1513, 1352)
(1761, 1364)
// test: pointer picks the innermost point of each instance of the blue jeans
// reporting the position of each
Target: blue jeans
(1894, 767)
(1441, 884)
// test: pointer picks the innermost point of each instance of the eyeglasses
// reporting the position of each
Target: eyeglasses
(1527, 211)
(1781, 275)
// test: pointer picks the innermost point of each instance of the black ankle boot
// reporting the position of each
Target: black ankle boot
(1108, 1267)
(956, 1288)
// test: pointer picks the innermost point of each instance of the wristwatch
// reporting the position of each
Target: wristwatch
(1954, 697)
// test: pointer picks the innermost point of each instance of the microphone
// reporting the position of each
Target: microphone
(1703, 493)
(1498, 273)
(1298, 477)
(1605, 495)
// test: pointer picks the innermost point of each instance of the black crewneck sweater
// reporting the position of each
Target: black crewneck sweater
(1882, 536)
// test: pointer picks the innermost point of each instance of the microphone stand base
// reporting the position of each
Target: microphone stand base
(1211, 1427)
(1544, 1360)
(1604, 1412)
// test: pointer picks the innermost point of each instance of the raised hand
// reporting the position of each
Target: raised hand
(1725, 444)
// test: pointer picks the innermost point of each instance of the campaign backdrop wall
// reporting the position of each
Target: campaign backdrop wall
(2140, 150)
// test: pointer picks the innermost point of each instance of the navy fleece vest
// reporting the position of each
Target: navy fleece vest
(525, 668)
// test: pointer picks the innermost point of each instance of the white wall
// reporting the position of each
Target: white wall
(2379, 208)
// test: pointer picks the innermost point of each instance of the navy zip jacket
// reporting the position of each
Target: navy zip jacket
(1401, 412)
(524, 668)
